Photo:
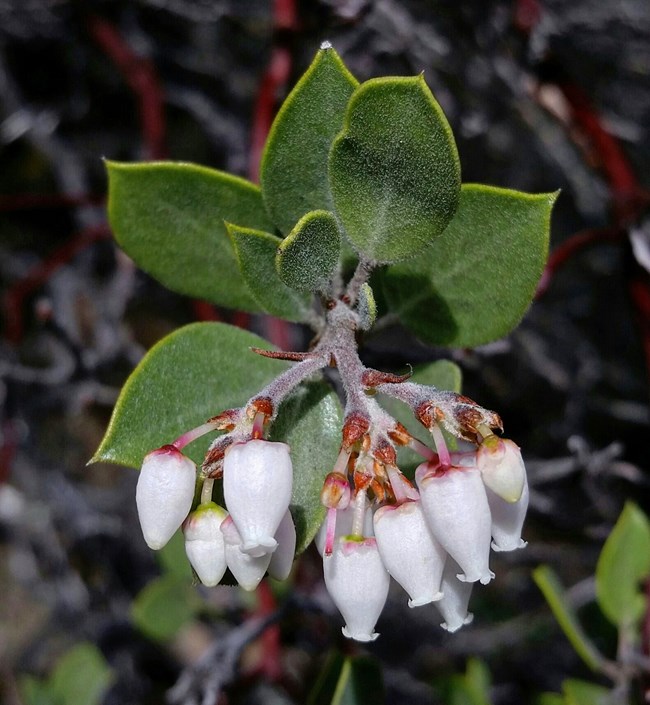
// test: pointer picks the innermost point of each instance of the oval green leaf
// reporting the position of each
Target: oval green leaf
(308, 256)
(256, 252)
(81, 676)
(474, 284)
(204, 368)
(164, 606)
(394, 169)
(366, 307)
(623, 563)
(293, 172)
(169, 217)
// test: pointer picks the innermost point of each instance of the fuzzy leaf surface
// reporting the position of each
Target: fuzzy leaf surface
(308, 256)
(169, 218)
(623, 563)
(474, 284)
(204, 368)
(256, 253)
(293, 172)
(394, 169)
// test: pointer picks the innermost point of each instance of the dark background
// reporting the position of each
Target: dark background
(541, 95)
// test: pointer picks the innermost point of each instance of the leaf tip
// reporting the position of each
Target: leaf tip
(326, 45)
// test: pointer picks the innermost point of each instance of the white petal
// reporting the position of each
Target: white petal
(248, 570)
(164, 494)
(456, 509)
(456, 594)
(204, 543)
(502, 467)
(282, 558)
(410, 552)
(358, 583)
(344, 519)
(257, 483)
(507, 521)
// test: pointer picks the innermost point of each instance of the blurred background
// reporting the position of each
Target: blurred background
(541, 94)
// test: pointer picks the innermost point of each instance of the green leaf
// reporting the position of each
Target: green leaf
(394, 169)
(81, 676)
(470, 688)
(624, 562)
(578, 692)
(548, 582)
(204, 368)
(169, 217)
(33, 691)
(550, 699)
(308, 256)
(474, 284)
(310, 421)
(442, 374)
(187, 377)
(349, 681)
(164, 606)
(256, 253)
(366, 307)
(293, 172)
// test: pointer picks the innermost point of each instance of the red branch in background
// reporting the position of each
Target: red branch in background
(140, 75)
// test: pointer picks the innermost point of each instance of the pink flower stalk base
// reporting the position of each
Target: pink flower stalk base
(433, 537)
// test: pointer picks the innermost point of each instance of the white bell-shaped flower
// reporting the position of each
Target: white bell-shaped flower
(164, 494)
(502, 467)
(247, 570)
(282, 557)
(456, 509)
(358, 582)
(456, 594)
(257, 484)
(508, 520)
(409, 551)
(344, 519)
(204, 542)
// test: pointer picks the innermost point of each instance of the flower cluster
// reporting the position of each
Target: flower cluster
(432, 536)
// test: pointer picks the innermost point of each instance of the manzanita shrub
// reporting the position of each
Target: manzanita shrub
(251, 449)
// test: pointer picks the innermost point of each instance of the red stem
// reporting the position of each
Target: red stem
(140, 75)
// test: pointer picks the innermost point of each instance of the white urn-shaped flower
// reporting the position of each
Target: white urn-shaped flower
(358, 583)
(204, 542)
(502, 467)
(456, 509)
(248, 570)
(282, 557)
(164, 494)
(257, 484)
(508, 520)
(409, 551)
(455, 599)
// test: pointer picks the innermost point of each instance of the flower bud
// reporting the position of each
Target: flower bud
(257, 483)
(456, 509)
(336, 491)
(502, 467)
(455, 599)
(358, 583)
(507, 520)
(409, 551)
(282, 557)
(248, 570)
(344, 521)
(164, 494)
(204, 543)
